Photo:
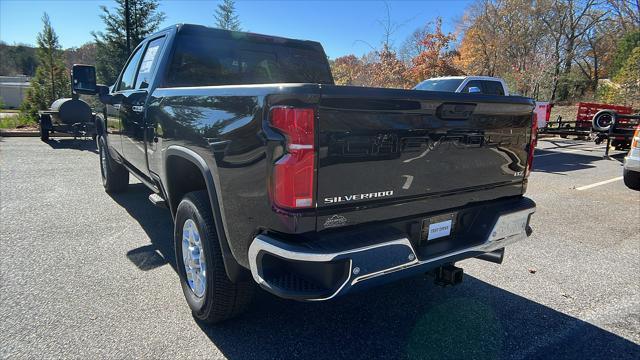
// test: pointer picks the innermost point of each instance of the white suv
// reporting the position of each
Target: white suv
(631, 170)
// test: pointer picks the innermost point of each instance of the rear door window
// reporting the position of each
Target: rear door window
(149, 63)
(493, 88)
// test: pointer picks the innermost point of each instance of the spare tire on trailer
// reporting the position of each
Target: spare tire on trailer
(602, 120)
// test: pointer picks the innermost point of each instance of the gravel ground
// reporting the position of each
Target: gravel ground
(87, 275)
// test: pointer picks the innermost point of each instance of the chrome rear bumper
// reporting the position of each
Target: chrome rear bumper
(306, 273)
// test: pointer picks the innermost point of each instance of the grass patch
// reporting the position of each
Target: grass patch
(16, 121)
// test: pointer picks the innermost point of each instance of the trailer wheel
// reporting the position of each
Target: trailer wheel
(115, 177)
(210, 294)
(45, 127)
(44, 134)
(602, 120)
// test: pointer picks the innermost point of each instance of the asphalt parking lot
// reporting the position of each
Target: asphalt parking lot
(88, 275)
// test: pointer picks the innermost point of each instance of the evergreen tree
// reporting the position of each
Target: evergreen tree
(111, 45)
(226, 17)
(51, 80)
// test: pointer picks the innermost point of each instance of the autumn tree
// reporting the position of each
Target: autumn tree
(226, 17)
(389, 71)
(111, 45)
(581, 17)
(436, 58)
(347, 70)
(51, 80)
(629, 79)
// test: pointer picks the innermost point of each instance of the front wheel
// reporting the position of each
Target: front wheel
(210, 294)
(115, 177)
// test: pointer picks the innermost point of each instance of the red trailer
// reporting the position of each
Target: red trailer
(586, 112)
(582, 126)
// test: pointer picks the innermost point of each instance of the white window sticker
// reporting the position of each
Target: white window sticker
(439, 229)
(149, 56)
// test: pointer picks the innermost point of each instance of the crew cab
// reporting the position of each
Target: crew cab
(277, 177)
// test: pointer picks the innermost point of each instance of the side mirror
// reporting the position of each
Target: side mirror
(83, 79)
(474, 90)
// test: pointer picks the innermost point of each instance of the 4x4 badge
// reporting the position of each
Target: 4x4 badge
(335, 220)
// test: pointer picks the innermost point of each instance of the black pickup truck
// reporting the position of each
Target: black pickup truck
(276, 176)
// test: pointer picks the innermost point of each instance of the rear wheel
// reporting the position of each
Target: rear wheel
(115, 177)
(210, 294)
(631, 179)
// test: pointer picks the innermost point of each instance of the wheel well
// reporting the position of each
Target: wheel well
(183, 176)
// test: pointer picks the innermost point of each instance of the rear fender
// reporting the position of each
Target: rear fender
(234, 270)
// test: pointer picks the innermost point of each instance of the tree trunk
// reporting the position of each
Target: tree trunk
(563, 92)
(53, 81)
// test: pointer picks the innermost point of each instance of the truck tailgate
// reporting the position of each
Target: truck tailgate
(380, 147)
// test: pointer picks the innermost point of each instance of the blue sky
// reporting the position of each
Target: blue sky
(342, 27)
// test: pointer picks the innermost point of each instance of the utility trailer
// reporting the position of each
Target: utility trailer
(67, 115)
(617, 129)
(593, 121)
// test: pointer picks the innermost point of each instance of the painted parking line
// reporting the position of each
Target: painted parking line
(586, 187)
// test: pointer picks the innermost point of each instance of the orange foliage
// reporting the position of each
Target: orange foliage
(437, 59)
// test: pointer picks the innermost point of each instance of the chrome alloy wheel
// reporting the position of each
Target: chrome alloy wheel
(193, 258)
(103, 161)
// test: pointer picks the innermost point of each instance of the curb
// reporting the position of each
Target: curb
(19, 133)
(34, 133)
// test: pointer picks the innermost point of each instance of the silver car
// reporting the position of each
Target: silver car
(631, 172)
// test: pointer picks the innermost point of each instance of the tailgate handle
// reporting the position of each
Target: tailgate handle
(453, 111)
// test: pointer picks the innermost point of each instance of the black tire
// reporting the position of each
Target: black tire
(115, 177)
(631, 179)
(222, 299)
(44, 134)
(602, 120)
(45, 126)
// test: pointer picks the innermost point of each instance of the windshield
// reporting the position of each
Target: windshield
(449, 85)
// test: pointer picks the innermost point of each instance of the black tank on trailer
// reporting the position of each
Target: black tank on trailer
(67, 115)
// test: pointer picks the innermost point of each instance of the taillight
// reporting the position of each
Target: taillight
(532, 144)
(294, 171)
(635, 143)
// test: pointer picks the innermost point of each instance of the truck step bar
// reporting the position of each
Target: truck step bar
(158, 200)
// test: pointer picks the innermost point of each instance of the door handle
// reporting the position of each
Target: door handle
(137, 108)
(116, 106)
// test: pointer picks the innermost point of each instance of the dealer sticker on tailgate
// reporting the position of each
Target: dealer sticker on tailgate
(439, 229)
(438, 226)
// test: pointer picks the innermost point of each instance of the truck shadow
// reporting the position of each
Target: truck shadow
(414, 319)
(411, 319)
(561, 162)
(74, 144)
(157, 224)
